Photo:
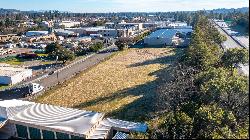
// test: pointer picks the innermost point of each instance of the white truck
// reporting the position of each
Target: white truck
(35, 88)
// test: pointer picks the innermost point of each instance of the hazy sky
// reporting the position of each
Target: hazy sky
(121, 5)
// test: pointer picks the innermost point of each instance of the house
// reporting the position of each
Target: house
(30, 120)
(11, 75)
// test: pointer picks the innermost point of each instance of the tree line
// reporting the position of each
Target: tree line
(204, 95)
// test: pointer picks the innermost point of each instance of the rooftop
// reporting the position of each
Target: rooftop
(13, 103)
(59, 118)
(10, 71)
(168, 33)
(45, 32)
(94, 28)
(82, 123)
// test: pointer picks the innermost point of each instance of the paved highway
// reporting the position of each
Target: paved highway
(230, 43)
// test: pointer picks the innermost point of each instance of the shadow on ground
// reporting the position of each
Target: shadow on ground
(144, 107)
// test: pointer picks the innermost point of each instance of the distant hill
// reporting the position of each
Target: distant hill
(5, 11)
(224, 10)
(220, 10)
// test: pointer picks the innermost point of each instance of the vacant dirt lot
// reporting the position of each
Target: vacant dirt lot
(123, 86)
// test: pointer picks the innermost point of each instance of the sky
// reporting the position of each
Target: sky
(95, 6)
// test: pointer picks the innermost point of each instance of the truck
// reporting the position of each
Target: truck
(28, 89)
(35, 88)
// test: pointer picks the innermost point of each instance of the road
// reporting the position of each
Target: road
(67, 73)
(64, 74)
(231, 43)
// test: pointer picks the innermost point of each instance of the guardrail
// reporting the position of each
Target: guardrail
(233, 37)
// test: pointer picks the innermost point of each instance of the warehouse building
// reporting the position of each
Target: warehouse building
(67, 24)
(12, 75)
(65, 33)
(167, 37)
(29, 120)
(36, 33)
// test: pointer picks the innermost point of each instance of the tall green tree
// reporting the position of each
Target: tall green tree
(56, 50)
(235, 56)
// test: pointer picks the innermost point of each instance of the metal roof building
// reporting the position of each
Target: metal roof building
(12, 75)
(164, 36)
(41, 121)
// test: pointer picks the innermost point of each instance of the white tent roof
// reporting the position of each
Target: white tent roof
(59, 118)
(9, 108)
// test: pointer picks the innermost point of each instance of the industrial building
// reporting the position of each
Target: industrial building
(65, 33)
(30, 120)
(11, 75)
(136, 26)
(177, 24)
(67, 24)
(84, 39)
(36, 33)
(116, 32)
(166, 37)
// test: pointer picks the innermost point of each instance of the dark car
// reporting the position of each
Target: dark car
(50, 73)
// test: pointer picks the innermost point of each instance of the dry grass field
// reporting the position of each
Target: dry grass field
(123, 86)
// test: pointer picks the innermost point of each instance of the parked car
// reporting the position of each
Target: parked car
(50, 73)
(27, 55)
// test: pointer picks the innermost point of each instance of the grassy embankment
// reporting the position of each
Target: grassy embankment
(124, 86)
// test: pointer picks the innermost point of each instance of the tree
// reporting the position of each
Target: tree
(211, 121)
(54, 49)
(208, 99)
(202, 56)
(174, 125)
(122, 43)
(96, 47)
(229, 91)
(235, 56)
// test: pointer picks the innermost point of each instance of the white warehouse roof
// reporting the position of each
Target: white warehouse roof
(10, 71)
(59, 118)
(85, 124)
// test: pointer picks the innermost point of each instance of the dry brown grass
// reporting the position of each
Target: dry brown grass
(113, 84)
